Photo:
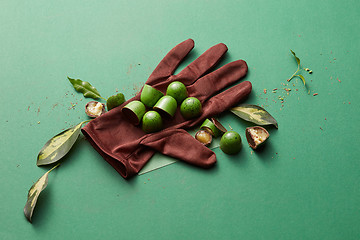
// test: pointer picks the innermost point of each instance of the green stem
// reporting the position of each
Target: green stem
(85, 121)
(295, 73)
(54, 167)
(103, 99)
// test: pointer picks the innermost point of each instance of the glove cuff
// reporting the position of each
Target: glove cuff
(124, 162)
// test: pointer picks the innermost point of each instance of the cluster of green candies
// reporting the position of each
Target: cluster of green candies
(151, 121)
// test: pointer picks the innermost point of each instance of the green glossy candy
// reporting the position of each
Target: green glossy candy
(166, 104)
(178, 91)
(115, 101)
(149, 95)
(151, 122)
(190, 108)
(134, 111)
(230, 142)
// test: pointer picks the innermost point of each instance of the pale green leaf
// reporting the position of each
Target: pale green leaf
(85, 88)
(58, 146)
(34, 193)
(254, 114)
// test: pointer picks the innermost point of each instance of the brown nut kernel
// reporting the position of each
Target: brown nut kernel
(256, 136)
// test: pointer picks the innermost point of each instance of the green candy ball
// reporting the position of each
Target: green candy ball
(151, 122)
(178, 91)
(190, 108)
(230, 142)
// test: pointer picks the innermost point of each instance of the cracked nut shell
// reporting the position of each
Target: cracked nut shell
(256, 136)
(94, 109)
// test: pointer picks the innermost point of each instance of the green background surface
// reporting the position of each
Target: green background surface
(305, 182)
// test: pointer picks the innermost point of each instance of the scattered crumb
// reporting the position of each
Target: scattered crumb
(321, 128)
(38, 122)
(315, 94)
(72, 106)
(129, 69)
(265, 90)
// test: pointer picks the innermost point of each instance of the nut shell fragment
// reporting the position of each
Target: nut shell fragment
(219, 125)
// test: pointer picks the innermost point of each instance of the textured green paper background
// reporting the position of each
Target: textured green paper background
(303, 185)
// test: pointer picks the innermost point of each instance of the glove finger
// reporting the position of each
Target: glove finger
(227, 99)
(213, 82)
(180, 144)
(214, 106)
(201, 65)
(170, 62)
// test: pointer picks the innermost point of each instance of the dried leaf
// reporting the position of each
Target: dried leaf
(302, 78)
(255, 114)
(297, 59)
(85, 88)
(34, 193)
(58, 146)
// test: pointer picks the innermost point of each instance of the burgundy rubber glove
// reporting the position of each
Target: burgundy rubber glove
(127, 148)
